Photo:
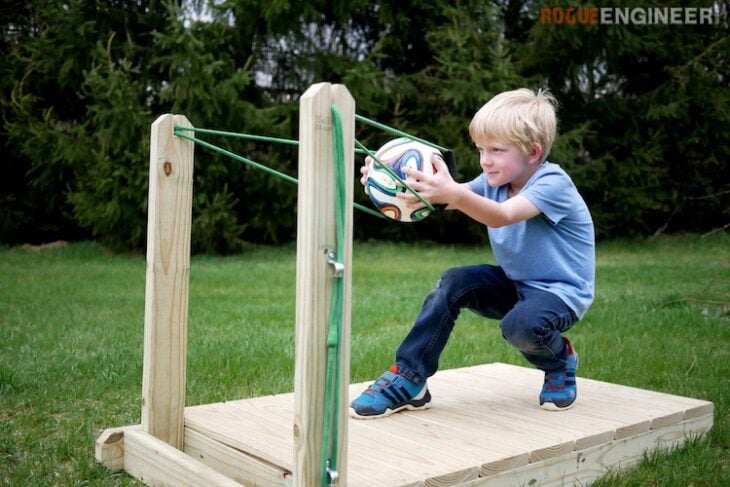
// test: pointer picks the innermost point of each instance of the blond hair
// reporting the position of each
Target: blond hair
(520, 117)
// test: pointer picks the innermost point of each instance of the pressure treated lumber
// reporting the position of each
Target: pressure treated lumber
(233, 463)
(166, 292)
(485, 423)
(154, 462)
(109, 447)
(315, 239)
(484, 429)
(607, 401)
(582, 467)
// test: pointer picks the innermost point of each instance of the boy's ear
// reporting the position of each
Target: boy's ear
(536, 153)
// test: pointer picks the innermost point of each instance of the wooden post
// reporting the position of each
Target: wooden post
(166, 293)
(315, 237)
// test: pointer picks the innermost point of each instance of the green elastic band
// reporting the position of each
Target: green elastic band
(179, 131)
(330, 431)
(232, 155)
(238, 135)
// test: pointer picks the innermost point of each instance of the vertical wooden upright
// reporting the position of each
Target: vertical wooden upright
(166, 293)
(315, 237)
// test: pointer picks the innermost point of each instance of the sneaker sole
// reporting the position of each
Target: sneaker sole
(549, 406)
(388, 412)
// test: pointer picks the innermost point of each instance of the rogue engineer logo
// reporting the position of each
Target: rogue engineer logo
(637, 16)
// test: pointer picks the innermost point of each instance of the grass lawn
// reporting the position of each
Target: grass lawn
(71, 327)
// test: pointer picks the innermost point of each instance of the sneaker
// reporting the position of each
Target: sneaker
(559, 390)
(389, 394)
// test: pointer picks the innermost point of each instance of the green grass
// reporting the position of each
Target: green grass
(71, 327)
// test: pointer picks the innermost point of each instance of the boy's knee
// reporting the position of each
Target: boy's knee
(519, 333)
(450, 281)
(449, 277)
(445, 288)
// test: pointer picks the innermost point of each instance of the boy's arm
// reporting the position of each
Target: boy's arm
(490, 212)
(442, 189)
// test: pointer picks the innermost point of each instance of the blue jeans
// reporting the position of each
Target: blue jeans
(531, 319)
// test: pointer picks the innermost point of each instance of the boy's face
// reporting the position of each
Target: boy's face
(504, 163)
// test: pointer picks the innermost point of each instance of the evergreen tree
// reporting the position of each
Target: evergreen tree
(643, 116)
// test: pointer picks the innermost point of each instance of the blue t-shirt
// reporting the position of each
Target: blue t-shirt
(553, 251)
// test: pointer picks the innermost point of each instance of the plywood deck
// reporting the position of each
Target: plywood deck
(484, 428)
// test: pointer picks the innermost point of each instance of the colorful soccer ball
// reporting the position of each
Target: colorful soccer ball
(383, 188)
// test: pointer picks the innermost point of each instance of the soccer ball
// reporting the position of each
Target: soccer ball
(383, 188)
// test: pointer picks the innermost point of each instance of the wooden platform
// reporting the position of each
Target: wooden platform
(484, 429)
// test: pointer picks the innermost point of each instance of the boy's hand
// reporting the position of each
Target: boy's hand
(365, 171)
(437, 189)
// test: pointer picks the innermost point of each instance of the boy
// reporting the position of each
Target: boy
(541, 233)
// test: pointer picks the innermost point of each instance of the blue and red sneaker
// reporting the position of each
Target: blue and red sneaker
(389, 394)
(559, 390)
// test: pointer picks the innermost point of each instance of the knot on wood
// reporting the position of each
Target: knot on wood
(167, 167)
